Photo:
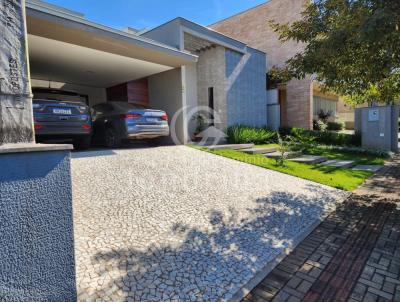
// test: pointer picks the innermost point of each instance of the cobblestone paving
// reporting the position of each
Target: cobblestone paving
(354, 255)
(177, 224)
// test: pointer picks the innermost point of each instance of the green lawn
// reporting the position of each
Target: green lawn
(345, 179)
(361, 159)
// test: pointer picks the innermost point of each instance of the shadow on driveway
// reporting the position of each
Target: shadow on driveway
(212, 264)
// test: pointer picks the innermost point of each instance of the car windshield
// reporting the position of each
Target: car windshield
(58, 95)
(125, 106)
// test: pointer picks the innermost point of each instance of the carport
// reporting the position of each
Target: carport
(68, 52)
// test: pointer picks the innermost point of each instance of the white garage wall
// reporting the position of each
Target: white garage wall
(189, 76)
(165, 90)
(96, 95)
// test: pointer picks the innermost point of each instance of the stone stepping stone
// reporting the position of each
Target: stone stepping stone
(287, 155)
(231, 147)
(371, 168)
(309, 159)
(259, 150)
(339, 163)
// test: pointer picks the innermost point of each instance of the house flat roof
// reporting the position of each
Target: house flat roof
(207, 34)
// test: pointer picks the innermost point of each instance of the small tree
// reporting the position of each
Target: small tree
(352, 47)
(283, 147)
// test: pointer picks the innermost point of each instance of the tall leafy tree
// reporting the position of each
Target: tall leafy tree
(351, 46)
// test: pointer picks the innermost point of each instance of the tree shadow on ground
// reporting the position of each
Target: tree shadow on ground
(210, 264)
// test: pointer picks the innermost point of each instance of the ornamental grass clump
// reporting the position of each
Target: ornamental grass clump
(246, 135)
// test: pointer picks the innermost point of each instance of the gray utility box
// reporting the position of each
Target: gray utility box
(379, 127)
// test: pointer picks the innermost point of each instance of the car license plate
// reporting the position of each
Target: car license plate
(152, 119)
(62, 111)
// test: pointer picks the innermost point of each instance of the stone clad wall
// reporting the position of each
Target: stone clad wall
(239, 86)
(211, 73)
(15, 100)
(246, 91)
(37, 244)
(252, 28)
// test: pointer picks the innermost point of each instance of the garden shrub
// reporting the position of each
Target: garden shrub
(335, 126)
(319, 125)
(302, 140)
(245, 135)
(325, 138)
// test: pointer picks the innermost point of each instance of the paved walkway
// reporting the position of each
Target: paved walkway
(354, 255)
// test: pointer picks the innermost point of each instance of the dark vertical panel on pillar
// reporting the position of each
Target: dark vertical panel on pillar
(211, 104)
(138, 92)
(117, 93)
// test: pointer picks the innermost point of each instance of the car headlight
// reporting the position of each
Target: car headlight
(36, 106)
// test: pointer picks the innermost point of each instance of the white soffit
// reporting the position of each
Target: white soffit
(63, 62)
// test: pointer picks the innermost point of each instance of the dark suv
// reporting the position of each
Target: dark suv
(61, 116)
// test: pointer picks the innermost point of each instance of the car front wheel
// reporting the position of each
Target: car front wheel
(112, 139)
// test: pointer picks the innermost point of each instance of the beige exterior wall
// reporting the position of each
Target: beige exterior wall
(252, 28)
(299, 104)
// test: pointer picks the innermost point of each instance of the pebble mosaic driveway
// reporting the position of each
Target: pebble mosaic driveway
(177, 224)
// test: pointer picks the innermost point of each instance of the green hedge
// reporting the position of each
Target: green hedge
(335, 126)
(258, 136)
(325, 137)
(245, 135)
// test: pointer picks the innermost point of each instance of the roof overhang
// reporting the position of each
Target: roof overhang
(57, 61)
(51, 22)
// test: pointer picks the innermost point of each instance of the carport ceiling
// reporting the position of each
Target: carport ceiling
(68, 63)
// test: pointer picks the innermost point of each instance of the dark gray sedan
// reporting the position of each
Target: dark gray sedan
(114, 122)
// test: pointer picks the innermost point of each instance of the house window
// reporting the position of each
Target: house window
(324, 104)
(211, 104)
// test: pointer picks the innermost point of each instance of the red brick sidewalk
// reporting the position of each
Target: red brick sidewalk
(353, 255)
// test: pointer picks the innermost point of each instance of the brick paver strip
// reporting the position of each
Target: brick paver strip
(353, 255)
(349, 262)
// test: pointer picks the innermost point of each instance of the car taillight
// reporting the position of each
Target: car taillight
(86, 126)
(131, 116)
(164, 117)
(37, 126)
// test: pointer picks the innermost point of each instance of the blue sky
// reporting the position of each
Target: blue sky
(150, 13)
